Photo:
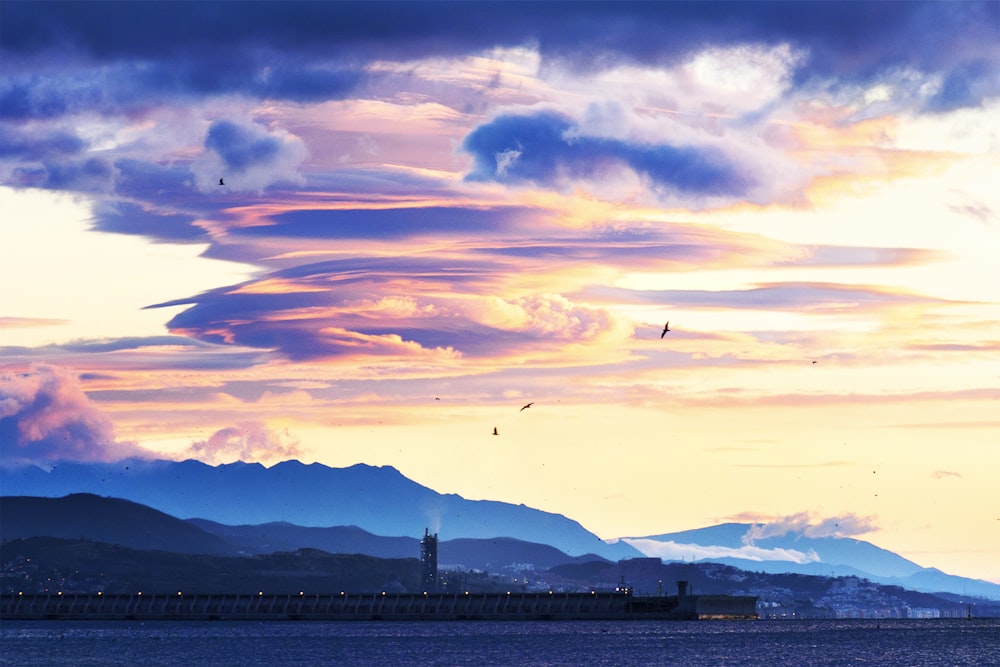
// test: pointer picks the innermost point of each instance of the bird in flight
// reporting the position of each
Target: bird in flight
(525, 407)
(495, 431)
(666, 328)
(221, 182)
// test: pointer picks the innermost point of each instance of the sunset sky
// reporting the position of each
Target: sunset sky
(434, 214)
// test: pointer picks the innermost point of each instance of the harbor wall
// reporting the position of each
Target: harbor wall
(372, 606)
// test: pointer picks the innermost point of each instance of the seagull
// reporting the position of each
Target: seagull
(524, 407)
(495, 431)
(220, 182)
(666, 328)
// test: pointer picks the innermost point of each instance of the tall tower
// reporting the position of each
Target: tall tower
(429, 562)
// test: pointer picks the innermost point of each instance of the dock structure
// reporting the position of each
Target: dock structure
(518, 606)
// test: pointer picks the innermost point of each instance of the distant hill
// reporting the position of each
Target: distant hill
(110, 520)
(86, 566)
(378, 499)
(495, 554)
(376, 510)
(283, 536)
(49, 564)
(100, 553)
(502, 554)
(821, 556)
(780, 595)
(114, 521)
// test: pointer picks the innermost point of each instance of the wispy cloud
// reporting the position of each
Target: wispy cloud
(674, 551)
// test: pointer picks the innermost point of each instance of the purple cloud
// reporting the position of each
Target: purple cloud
(252, 156)
(311, 51)
(546, 148)
(388, 223)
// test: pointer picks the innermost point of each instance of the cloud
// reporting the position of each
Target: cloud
(805, 296)
(391, 223)
(124, 217)
(945, 474)
(551, 150)
(130, 353)
(133, 87)
(409, 305)
(39, 143)
(967, 85)
(247, 441)
(46, 416)
(250, 157)
(544, 317)
(93, 175)
(679, 551)
(306, 51)
(807, 524)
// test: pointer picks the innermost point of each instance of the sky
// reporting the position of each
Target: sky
(434, 214)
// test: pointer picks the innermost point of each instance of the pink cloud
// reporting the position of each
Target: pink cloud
(246, 441)
(46, 416)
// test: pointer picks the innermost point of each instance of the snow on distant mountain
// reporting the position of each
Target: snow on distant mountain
(378, 499)
(734, 544)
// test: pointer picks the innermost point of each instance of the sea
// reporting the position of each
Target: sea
(910, 643)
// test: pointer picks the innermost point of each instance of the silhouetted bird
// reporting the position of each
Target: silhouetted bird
(220, 182)
(525, 407)
(666, 328)
(495, 431)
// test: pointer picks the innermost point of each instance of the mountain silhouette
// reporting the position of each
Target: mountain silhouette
(110, 520)
(378, 499)
(378, 511)
(823, 556)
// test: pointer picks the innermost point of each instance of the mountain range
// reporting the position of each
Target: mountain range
(377, 511)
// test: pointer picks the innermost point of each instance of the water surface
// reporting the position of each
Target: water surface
(485, 643)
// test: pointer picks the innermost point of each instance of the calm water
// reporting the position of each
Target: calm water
(571, 643)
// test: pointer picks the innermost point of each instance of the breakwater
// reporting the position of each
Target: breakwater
(520, 606)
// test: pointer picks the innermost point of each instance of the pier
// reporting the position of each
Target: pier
(519, 606)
